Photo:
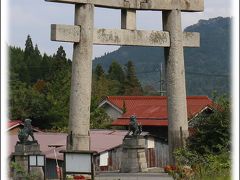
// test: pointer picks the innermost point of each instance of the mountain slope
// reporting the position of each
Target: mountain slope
(207, 67)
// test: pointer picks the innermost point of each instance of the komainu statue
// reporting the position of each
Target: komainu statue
(134, 127)
(27, 131)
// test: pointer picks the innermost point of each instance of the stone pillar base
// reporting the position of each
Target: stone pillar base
(133, 155)
(22, 151)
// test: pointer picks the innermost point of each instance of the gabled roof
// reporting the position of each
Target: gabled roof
(152, 110)
(106, 102)
(15, 123)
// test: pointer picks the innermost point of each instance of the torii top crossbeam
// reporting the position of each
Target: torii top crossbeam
(157, 5)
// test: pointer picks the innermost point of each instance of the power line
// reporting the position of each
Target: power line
(187, 72)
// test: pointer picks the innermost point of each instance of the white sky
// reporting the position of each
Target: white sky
(35, 16)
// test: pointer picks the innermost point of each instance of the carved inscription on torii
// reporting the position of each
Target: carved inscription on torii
(84, 35)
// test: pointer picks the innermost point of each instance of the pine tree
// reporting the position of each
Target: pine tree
(116, 76)
(99, 71)
(29, 50)
(132, 86)
(59, 60)
(116, 72)
(61, 54)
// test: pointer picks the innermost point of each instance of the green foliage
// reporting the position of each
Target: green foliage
(99, 72)
(208, 150)
(39, 86)
(58, 97)
(23, 173)
(99, 119)
(116, 72)
(131, 85)
(29, 50)
(26, 102)
(213, 131)
(208, 166)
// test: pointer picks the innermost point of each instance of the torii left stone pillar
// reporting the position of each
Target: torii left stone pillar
(79, 117)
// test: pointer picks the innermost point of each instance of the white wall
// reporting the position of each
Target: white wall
(113, 113)
(103, 159)
(150, 142)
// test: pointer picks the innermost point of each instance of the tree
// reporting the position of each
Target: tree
(99, 71)
(132, 86)
(46, 72)
(116, 72)
(213, 131)
(29, 50)
(26, 102)
(18, 69)
(99, 119)
(58, 97)
(100, 87)
(59, 60)
(61, 54)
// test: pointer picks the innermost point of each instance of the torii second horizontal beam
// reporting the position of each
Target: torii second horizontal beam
(155, 5)
(70, 33)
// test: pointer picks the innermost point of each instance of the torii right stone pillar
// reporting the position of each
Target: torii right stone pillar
(175, 78)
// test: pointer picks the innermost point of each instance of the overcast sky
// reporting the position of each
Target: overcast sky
(35, 16)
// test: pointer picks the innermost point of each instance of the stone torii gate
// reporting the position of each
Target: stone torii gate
(84, 35)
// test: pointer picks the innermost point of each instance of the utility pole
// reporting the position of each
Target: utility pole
(162, 81)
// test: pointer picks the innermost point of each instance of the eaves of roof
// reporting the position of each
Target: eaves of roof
(104, 102)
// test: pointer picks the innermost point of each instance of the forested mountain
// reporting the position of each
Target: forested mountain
(207, 67)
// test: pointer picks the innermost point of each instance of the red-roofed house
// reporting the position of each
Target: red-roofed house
(15, 125)
(151, 111)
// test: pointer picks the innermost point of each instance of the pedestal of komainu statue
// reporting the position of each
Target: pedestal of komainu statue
(21, 154)
(133, 155)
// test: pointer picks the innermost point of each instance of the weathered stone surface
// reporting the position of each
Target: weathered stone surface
(23, 148)
(175, 78)
(128, 19)
(133, 155)
(79, 115)
(191, 39)
(65, 33)
(131, 37)
(68, 33)
(22, 151)
(183, 5)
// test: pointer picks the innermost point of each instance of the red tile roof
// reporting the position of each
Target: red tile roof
(13, 123)
(152, 110)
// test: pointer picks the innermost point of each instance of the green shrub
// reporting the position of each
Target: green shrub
(191, 165)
